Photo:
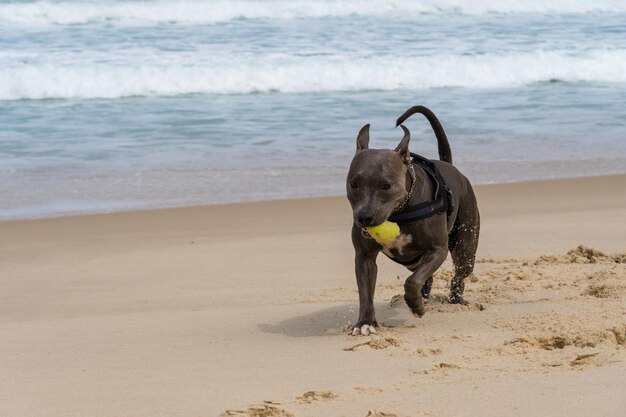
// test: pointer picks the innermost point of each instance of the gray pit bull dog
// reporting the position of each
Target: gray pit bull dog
(382, 183)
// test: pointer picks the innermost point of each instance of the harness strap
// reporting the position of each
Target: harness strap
(441, 203)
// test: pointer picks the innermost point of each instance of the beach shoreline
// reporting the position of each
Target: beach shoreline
(108, 208)
(199, 310)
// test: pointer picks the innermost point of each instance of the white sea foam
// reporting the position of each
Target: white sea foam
(202, 12)
(312, 74)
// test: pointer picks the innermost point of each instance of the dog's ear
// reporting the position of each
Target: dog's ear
(363, 138)
(403, 146)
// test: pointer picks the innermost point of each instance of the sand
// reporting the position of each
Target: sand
(242, 310)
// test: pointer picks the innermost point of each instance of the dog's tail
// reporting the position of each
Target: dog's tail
(445, 154)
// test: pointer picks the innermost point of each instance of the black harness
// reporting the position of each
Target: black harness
(442, 202)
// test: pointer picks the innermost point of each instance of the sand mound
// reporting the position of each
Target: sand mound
(582, 255)
(603, 291)
(550, 331)
(600, 275)
(582, 271)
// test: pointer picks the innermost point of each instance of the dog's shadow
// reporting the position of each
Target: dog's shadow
(333, 321)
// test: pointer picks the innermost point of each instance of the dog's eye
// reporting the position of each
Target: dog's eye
(386, 186)
(353, 184)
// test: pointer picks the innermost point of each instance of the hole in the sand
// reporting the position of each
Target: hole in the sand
(311, 396)
(376, 344)
(583, 359)
(375, 413)
(444, 365)
(260, 410)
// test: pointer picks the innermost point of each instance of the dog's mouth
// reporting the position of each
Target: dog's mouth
(373, 223)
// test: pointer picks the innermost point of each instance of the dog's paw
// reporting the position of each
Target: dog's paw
(364, 330)
(418, 313)
(458, 299)
(416, 305)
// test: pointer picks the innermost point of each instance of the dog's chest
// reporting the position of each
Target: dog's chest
(398, 246)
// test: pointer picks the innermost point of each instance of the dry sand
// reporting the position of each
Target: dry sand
(242, 310)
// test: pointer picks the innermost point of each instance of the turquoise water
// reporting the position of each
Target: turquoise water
(131, 104)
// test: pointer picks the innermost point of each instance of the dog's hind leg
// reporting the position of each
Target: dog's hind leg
(463, 243)
(463, 266)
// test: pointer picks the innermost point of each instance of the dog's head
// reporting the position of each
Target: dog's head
(377, 179)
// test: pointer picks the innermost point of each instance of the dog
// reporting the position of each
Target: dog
(383, 183)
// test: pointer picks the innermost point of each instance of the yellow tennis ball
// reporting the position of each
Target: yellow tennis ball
(384, 233)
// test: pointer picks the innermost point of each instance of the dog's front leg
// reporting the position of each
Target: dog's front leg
(366, 271)
(415, 282)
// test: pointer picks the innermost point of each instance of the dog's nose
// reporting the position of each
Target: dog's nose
(365, 219)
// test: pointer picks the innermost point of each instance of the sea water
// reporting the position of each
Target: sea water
(116, 105)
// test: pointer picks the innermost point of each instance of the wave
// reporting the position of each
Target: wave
(312, 74)
(206, 12)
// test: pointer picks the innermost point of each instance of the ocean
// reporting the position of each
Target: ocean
(121, 105)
